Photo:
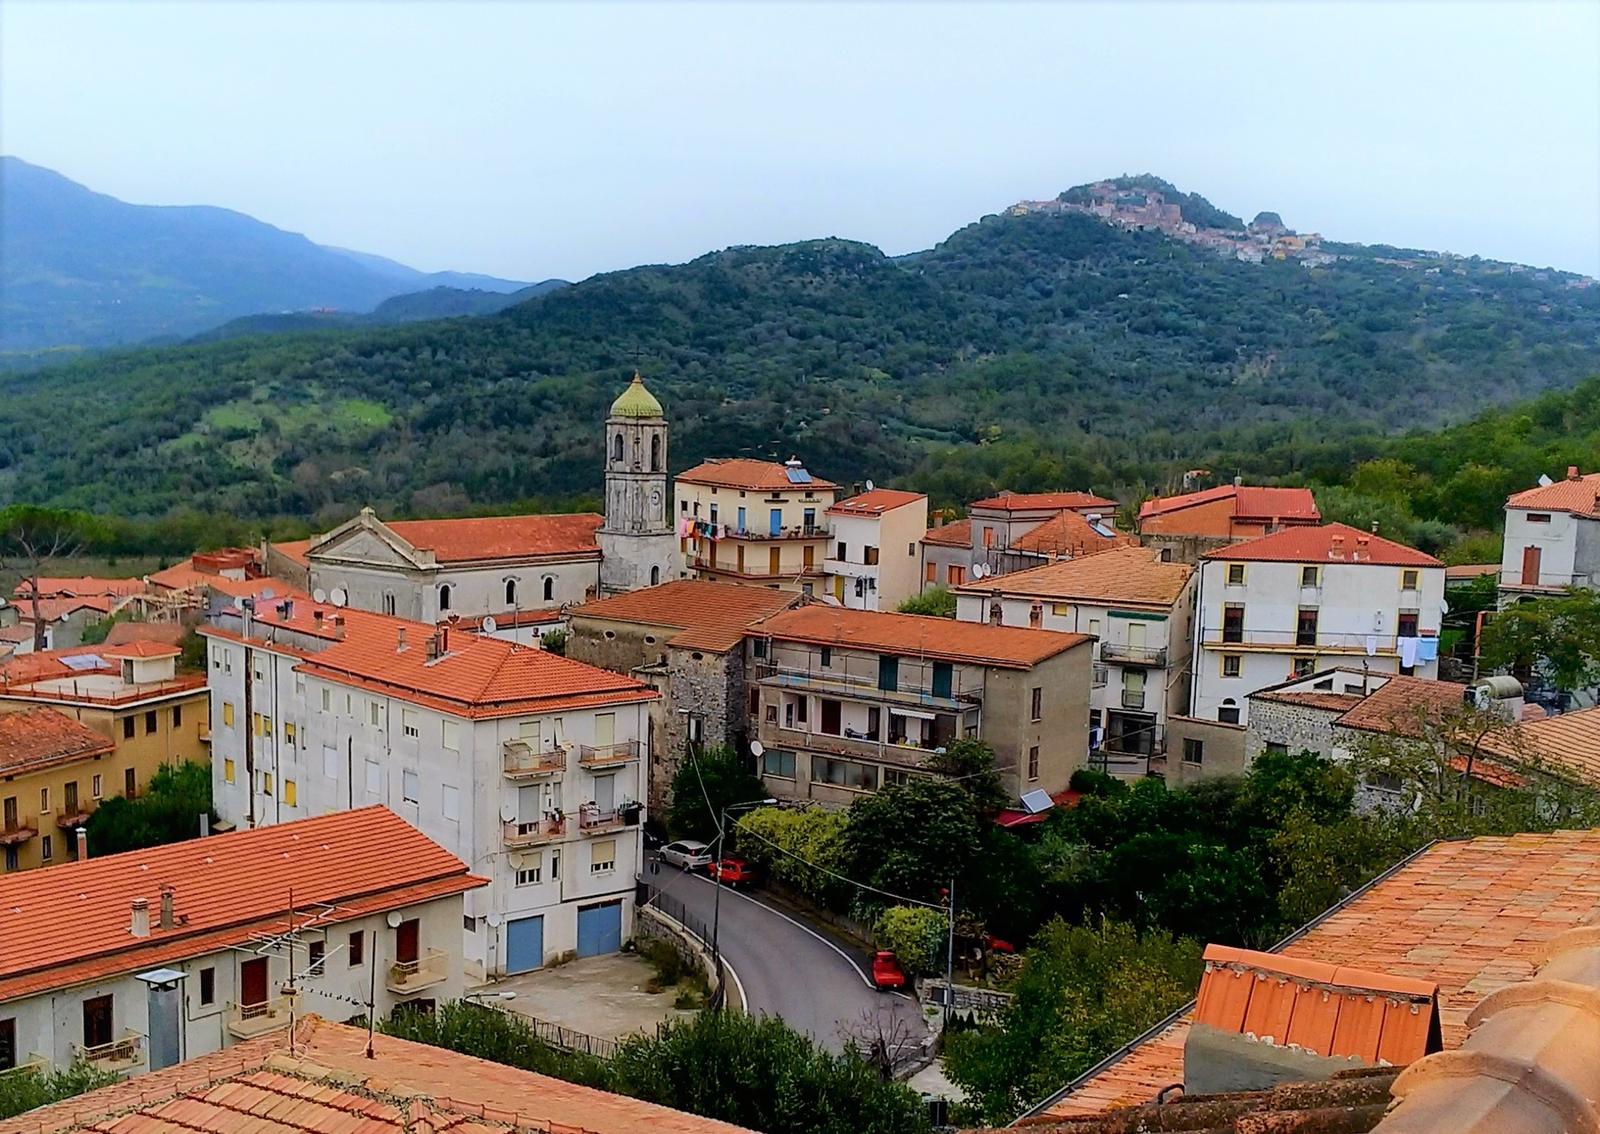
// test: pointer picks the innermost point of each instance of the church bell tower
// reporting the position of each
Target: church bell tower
(637, 544)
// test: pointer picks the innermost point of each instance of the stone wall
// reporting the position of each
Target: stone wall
(1299, 728)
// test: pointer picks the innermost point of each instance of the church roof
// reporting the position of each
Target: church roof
(636, 401)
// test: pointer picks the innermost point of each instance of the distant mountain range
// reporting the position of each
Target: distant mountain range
(82, 269)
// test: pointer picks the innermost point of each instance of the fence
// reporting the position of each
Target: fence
(664, 903)
(567, 1039)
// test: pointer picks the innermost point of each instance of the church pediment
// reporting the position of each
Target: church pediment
(367, 540)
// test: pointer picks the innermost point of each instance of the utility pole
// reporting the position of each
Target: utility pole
(950, 959)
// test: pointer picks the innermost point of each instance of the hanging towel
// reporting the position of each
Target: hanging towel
(1408, 652)
(1427, 649)
(1372, 645)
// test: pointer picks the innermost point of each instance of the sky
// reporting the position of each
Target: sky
(535, 140)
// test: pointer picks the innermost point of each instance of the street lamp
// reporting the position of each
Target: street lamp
(716, 866)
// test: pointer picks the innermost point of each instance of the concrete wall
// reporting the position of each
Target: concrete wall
(1222, 750)
(474, 590)
(896, 535)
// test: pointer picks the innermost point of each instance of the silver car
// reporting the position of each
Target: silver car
(688, 854)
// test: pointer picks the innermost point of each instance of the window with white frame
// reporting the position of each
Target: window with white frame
(327, 700)
(450, 802)
(531, 871)
(374, 778)
(374, 713)
(330, 761)
(603, 856)
(410, 786)
(408, 723)
(450, 735)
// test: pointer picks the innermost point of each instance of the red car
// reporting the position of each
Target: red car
(886, 970)
(731, 871)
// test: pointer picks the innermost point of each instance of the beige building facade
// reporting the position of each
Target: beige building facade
(755, 522)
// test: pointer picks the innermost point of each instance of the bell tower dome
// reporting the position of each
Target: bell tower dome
(637, 545)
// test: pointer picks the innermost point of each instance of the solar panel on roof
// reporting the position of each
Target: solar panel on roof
(798, 476)
(84, 661)
(1036, 801)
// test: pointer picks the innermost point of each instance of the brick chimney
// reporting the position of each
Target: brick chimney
(400, 640)
(1572, 473)
(338, 626)
(168, 920)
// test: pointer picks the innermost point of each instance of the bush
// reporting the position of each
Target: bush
(937, 601)
(784, 841)
(168, 812)
(916, 934)
(719, 775)
(24, 1090)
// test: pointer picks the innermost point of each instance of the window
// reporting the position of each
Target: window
(316, 951)
(1193, 750)
(827, 657)
(13, 861)
(616, 448)
(1410, 580)
(374, 778)
(388, 603)
(450, 802)
(1277, 749)
(266, 783)
(291, 793)
(1228, 713)
(1133, 689)
(177, 716)
(208, 985)
(531, 871)
(95, 790)
(97, 1021)
(871, 556)
(888, 673)
(955, 576)
(1309, 576)
(988, 537)
(655, 452)
(408, 723)
(150, 722)
(759, 647)
(127, 728)
(1033, 762)
(330, 761)
(46, 848)
(1538, 517)
(1233, 622)
(777, 762)
(410, 786)
(1407, 627)
(930, 572)
(844, 773)
(1232, 665)
(511, 592)
(44, 799)
(1303, 667)
(300, 685)
(895, 777)
(227, 770)
(8, 1044)
(555, 866)
(288, 733)
(602, 856)
(357, 949)
(444, 596)
(843, 551)
(373, 713)
(1236, 574)
(549, 588)
(450, 735)
(1061, 609)
(130, 783)
(1305, 627)
(1036, 703)
(327, 700)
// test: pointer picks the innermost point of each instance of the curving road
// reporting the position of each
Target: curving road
(787, 970)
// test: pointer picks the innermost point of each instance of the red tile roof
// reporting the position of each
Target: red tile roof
(1068, 535)
(711, 616)
(1569, 741)
(1327, 543)
(1578, 495)
(70, 924)
(1126, 575)
(142, 648)
(34, 739)
(502, 537)
(1042, 501)
(55, 609)
(82, 586)
(917, 635)
(42, 665)
(1470, 570)
(122, 633)
(739, 472)
(1402, 705)
(957, 533)
(182, 576)
(876, 502)
(294, 549)
(1250, 502)
(1335, 703)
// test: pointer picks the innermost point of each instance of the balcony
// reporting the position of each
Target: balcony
(608, 754)
(522, 762)
(1121, 654)
(955, 698)
(534, 834)
(790, 531)
(1295, 642)
(900, 753)
(118, 1055)
(594, 821)
(1543, 581)
(16, 831)
(35, 1064)
(406, 977)
(246, 1021)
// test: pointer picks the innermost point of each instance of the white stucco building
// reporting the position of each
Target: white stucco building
(133, 961)
(527, 765)
(1307, 599)
(872, 563)
(1552, 538)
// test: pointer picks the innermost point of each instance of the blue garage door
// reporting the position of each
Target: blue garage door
(600, 929)
(524, 944)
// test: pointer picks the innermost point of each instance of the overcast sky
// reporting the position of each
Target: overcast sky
(534, 140)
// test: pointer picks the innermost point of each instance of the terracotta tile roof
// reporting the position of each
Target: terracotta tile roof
(69, 924)
(294, 549)
(502, 537)
(876, 502)
(1132, 576)
(85, 585)
(1037, 501)
(1402, 704)
(739, 472)
(1068, 534)
(34, 739)
(1578, 495)
(1570, 741)
(42, 665)
(1335, 703)
(141, 648)
(182, 576)
(329, 1086)
(1470, 570)
(712, 616)
(917, 635)
(957, 533)
(1327, 543)
(122, 633)
(1250, 502)
(1472, 915)
(55, 609)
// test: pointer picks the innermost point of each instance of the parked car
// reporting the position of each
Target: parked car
(687, 854)
(886, 970)
(732, 871)
(998, 945)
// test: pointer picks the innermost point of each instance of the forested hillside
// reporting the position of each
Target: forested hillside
(1024, 351)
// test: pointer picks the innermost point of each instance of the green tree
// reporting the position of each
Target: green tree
(31, 538)
(704, 785)
(916, 934)
(24, 1090)
(1558, 635)
(937, 601)
(970, 763)
(1280, 784)
(802, 849)
(911, 839)
(168, 812)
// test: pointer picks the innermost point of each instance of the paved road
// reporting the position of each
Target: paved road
(787, 971)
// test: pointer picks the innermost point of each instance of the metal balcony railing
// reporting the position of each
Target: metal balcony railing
(535, 833)
(246, 1021)
(590, 756)
(595, 820)
(522, 761)
(902, 752)
(868, 688)
(406, 977)
(1324, 641)
(123, 1052)
(1123, 654)
(35, 1063)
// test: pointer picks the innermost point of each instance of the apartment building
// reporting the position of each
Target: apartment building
(1552, 538)
(1306, 599)
(849, 701)
(1018, 530)
(44, 756)
(1187, 525)
(874, 560)
(1140, 612)
(132, 961)
(755, 522)
(526, 765)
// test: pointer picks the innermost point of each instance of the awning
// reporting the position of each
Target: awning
(918, 714)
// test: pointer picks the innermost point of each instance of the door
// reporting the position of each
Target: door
(97, 1020)
(524, 944)
(838, 587)
(943, 679)
(253, 981)
(8, 1044)
(406, 941)
(831, 718)
(774, 561)
(600, 929)
(605, 792)
(888, 673)
(775, 522)
(605, 730)
(808, 556)
(1530, 565)
(1136, 638)
(741, 525)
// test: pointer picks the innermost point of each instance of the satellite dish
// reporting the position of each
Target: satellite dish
(495, 920)
(870, 486)
(489, 626)
(979, 570)
(339, 597)
(319, 595)
(508, 815)
(1444, 607)
(266, 593)
(393, 919)
(1544, 481)
(757, 748)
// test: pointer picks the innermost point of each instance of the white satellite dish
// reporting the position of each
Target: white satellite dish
(319, 595)
(757, 748)
(339, 597)
(489, 625)
(495, 920)
(869, 486)
(508, 815)
(978, 570)
(394, 918)
(1544, 481)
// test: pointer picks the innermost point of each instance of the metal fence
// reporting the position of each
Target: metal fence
(567, 1039)
(665, 903)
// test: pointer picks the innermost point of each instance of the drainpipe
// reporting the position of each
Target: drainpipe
(248, 725)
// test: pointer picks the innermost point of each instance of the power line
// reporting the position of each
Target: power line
(843, 878)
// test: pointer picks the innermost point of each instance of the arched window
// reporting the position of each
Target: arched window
(655, 453)
(549, 588)
(616, 448)
(444, 596)
(655, 576)
(511, 592)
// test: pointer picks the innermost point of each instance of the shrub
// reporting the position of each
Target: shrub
(916, 934)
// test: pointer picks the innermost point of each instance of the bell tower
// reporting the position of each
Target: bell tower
(637, 545)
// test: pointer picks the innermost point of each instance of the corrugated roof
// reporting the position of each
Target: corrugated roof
(957, 533)
(1250, 502)
(876, 502)
(1133, 576)
(329, 1086)
(917, 635)
(1578, 495)
(34, 739)
(711, 616)
(741, 472)
(1052, 501)
(502, 537)
(1068, 534)
(1326, 543)
(70, 923)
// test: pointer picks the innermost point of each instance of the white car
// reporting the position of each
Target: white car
(689, 854)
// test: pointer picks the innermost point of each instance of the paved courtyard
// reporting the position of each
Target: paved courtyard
(601, 996)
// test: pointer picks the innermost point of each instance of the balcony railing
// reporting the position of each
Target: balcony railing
(246, 1021)
(1295, 641)
(521, 761)
(1123, 654)
(594, 757)
(35, 1063)
(536, 833)
(867, 688)
(14, 831)
(1545, 581)
(119, 1053)
(406, 977)
(788, 531)
(595, 821)
(902, 753)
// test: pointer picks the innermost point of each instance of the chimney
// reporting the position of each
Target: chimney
(288, 609)
(316, 616)
(140, 925)
(1238, 482)
(167, 918)
(433, 645)
(83, 844)
(1572, 473)
(338, 626)
(400, 642)
(1337, 550)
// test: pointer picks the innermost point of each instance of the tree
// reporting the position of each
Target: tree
(915, 934)
(911, 839)
(970, 763)
(704, 785)
(24, 1090)
(1559, 635)
(1280, 784)
(30, 538)
(801, 848)
(168, 812)
(937, 601)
